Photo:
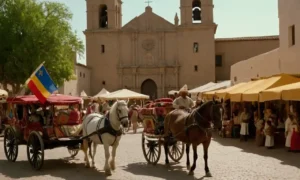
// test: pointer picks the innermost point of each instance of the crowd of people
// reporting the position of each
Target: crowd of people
(265, 126)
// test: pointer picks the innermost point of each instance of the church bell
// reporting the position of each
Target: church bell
(197, 15)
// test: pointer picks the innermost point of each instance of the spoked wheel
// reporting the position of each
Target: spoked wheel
(176, 151)
(151, 150)
(11, 148)
(73, 152)
(35, 150)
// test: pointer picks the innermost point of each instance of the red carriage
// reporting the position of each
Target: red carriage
(42, 127)
(153, 115)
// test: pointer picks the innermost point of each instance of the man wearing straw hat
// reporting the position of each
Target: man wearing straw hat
(183, 101)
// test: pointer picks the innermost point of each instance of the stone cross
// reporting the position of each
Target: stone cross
(148, 2)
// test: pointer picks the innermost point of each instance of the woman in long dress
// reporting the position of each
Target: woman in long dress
(269, 132)
(244, 119)
(288, 131)
(295, 140)
(134, 118)
(259, 124)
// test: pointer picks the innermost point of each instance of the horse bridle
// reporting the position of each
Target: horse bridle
(120, 118)
(211, 113)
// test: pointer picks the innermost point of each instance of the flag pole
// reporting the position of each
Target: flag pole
(36, 70)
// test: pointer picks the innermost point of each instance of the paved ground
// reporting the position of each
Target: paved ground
(229, 159)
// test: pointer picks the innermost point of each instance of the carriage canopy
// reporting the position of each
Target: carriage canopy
(55, 99)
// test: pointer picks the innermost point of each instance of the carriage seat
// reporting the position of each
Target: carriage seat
(67, 124)
(67, 118)
(149, 119)
(67, 130)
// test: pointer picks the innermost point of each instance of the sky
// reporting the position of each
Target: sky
(235, 18)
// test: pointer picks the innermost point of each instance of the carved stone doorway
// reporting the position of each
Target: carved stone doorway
(149, 88)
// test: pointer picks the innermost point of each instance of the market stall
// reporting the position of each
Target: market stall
(173, 92)
(252, 94)
(3, 107)
(210, 92)
(85, 98)
(223, 93)
(3, 95)
(102, 93)
(124, 94)
(194, 92)
(236, 94)
(289, 92)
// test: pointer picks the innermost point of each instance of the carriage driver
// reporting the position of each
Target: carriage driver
(183, 101)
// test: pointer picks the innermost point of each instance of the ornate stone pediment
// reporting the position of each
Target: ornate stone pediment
(148, 21)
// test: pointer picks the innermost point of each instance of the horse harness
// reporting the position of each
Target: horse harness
(107, 128)
(194, 123)
(206, 130)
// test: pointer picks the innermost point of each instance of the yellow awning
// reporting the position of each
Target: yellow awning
(224, 93)
(252, 94)
(236, 94)
(289, 92)
(209, 94)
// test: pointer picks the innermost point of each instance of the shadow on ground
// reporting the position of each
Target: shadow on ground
(174, 171)
(60, 168)
(280, 153)
(130, 132)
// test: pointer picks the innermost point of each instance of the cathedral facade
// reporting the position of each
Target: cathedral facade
(152, 55)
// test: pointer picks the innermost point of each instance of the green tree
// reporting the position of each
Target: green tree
(32, 32)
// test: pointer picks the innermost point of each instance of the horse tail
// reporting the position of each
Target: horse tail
(90, 148)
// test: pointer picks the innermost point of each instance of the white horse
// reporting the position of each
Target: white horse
(106, 130)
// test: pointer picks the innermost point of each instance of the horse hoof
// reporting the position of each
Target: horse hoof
(87, 166)
(208, 174)
(112, 166)
(191, 173)
(107, 172)
(188, 167)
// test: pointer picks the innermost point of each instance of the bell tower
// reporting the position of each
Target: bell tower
(104, 14)
(196, 11)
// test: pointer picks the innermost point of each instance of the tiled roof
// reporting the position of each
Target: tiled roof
(253, 38)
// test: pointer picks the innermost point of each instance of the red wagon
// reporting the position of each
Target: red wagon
(42, 127)
(153, 118)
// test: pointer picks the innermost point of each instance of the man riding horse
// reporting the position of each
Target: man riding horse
(192, 128)
(183, 101)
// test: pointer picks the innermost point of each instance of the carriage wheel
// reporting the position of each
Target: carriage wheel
(73, 152)
(35, 150)
(151, 150)
(11, 147)
(176, 151)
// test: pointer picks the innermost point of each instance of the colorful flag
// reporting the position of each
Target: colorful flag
(41, 84)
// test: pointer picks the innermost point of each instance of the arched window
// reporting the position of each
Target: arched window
(103, 20)
(196, 8)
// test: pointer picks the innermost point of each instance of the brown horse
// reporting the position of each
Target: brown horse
(193, 129)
